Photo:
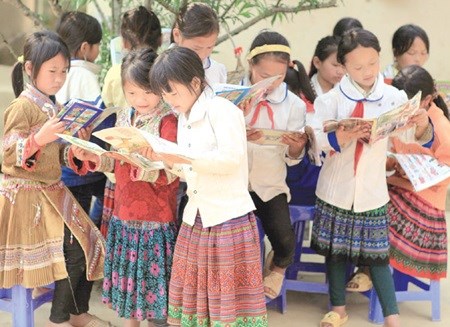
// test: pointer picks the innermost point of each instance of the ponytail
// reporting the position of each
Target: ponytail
(17, 78)
(439, 101)
(298, 81)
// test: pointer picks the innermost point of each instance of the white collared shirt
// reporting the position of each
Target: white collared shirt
(338, 185)
(267, 164)
(81, 82)
(316, 85)
(215, 72)
(217, 180)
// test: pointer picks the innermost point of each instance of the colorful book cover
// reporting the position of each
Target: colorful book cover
(77, 114)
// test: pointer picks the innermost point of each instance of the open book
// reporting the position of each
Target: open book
(383, 125)
(78, 114)
(130, 139)
(422, 170)
(134, 159)
(239, 93)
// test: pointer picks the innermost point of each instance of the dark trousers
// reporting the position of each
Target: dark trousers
(84, 194)
(276, 221)
(71, 294)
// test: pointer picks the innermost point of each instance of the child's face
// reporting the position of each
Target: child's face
(417, 54)
(363, 66)
(143, 101)
(202, 45)
(51, 75)
(266, 67)
(329, 70)
(181, 99)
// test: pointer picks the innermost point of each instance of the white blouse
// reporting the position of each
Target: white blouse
(267, 163)
(338, 184)
(214, 132)
(215, 72)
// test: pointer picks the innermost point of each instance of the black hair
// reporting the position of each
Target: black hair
(298, 81)
(404, 37)
(141, 28)
(176, 65)
(196, 19)
(76, 27)
(413, 79)
(354, 38)
(136, 67)
(345, 24)
(324, 48)
(269, 37)
(39, 47)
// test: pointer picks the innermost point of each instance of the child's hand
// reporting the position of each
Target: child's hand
(85, 133)
(345, 136)
(84, 155)
(420, 119)
(246, 106)
(253, 134)
(47, 132)
(296, 142)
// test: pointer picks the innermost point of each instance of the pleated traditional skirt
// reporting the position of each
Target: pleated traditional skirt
(217, 276)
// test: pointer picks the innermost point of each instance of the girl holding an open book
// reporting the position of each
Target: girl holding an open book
(46, 236)
(417, 231)
(350, 223)
(142, 230)
(216, 276)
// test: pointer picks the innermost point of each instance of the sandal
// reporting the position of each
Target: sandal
(362, 281)
(274, 282)
(97, 322)
(333, 319)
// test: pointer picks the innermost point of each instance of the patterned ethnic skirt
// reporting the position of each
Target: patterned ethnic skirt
(137, 268)
(418, 235)
(345, 235)
(217, 276)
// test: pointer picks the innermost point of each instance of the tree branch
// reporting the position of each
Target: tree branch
(222, 16)
(37, 21)
(168, 7)
(274, 10)
(10, 48)
(56, 7)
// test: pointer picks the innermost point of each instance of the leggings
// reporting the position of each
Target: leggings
(381, 278)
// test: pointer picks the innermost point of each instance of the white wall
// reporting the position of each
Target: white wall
(382, 17)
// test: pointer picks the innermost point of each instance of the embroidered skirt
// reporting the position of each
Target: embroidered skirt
(217, 276)
(345, 235)
(418, 235)
(108, 206)
(32, 218)
(137, 268)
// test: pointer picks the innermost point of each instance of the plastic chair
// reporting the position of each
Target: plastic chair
(429, 292)
(300, 215)
(19, 301)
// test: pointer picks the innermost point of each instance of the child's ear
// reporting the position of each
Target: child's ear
(425, 103)
(84, 48)
(28, 68)
(316, 62)
(176, 35)
(196, 84)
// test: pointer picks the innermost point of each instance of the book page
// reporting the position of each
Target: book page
(422, 170)
(271, 136)
(160, 145)
(85, 145)
(128, 139)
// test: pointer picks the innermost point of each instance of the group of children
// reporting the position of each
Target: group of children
(207, 272)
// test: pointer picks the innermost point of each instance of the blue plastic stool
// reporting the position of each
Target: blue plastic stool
(19, 301)
(430, 292)
(300, 215)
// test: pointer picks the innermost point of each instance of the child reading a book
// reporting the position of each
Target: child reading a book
(197, 28)
(216, 276)
(280, 109)
(410, 46)
(82, 33)
(350, 223)
(46, 235)
(419, 216)
(142, 231)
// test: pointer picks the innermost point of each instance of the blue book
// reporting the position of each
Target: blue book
(78, 114)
